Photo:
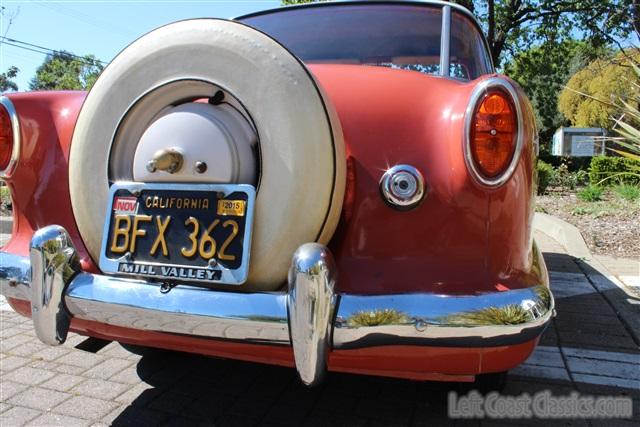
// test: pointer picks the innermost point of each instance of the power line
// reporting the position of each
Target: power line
(25, 48)
(23, 57)
(43, 50)
(85, 18)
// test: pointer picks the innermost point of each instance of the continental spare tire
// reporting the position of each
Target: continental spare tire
(299, 158)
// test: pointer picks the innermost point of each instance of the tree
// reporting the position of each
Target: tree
(6, 82)
(591, 98)
(543, 70)
(514, 25)
(65, 71)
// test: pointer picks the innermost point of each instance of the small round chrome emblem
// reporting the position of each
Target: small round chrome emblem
(402, 187)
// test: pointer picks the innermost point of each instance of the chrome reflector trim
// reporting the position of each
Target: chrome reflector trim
(402, 187)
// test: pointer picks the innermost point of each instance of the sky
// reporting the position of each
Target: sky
(99, 27)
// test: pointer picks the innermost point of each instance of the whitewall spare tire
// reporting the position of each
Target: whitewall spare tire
(300, 155)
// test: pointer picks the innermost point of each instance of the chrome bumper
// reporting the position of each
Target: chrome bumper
(310, 317)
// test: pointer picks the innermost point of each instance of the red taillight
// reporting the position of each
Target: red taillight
(6, 138)
(493, 133)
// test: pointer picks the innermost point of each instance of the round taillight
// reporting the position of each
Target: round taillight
(493, 133)
(6, 138)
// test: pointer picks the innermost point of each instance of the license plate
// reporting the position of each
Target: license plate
(179, 232)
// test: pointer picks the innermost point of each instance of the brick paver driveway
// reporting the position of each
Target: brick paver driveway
(590, 348)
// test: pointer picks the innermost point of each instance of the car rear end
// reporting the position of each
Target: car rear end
(432, 272)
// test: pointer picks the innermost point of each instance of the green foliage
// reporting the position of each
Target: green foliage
(542, 71)
(64, 71)
(612, 170)
(514, 26)
(627, 192)
(603, 81)
(592, 193)
(5, 196)
(628, 125)
(567, 180)
(545, 176)
(6, 82)
(581, 210)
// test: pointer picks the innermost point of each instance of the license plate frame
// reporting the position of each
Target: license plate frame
(196, 270)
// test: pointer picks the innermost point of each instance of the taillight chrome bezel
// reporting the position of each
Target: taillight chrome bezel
(476, 96)
(15, 128)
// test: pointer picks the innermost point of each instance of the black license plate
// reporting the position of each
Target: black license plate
(179, 232)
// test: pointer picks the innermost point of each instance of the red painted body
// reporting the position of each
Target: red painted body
(462, 239)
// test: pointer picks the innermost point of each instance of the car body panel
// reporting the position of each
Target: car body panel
(464, 238)
(39, 186)
(459, 231)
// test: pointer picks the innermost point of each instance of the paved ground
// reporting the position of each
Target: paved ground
(592, 347)
(625, 271)
(5, 229)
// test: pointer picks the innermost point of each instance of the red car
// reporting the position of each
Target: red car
(339, 187)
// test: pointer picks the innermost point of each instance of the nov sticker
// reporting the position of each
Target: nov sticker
(125, 205)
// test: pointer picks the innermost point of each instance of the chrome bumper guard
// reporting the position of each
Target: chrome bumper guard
(310, 317)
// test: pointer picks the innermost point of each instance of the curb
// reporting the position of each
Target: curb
(564, 233)
(627, 304)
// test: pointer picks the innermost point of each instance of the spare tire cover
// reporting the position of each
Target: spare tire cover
(302, 160)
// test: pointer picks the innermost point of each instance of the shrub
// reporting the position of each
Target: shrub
(567, 180)
(613, 170)
(627, 192)
(592, 193)
(545, 175)
(5, 197)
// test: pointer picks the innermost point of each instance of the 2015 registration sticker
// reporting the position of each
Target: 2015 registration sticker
(231, 207)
